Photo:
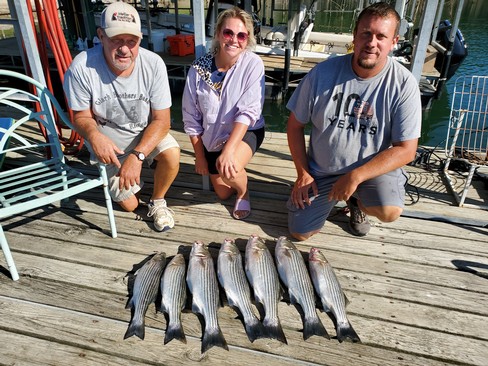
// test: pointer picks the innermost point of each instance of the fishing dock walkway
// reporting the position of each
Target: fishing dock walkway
(418, 287)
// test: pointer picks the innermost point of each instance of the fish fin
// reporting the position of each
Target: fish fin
(318, 303)
(332, 318)
(346, 299)
(283, 294)
(214, 338)
(162, 309)
(260, 308)
(345, 331)
(274, 330)
(130, 303)
(195, 308)
(135, 328)
(314, 326)
(174, 331)
(255, 330)
(326, 308)
(224, 300)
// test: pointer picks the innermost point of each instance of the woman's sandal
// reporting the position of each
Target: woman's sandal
(241, 205)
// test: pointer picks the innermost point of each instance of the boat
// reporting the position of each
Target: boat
(303, 40)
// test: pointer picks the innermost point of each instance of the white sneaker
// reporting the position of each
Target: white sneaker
(162, 215)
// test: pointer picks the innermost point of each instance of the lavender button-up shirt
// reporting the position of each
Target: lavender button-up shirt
(212, 113)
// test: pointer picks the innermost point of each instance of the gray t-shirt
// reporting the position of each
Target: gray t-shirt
(121, 105)
(353, 118)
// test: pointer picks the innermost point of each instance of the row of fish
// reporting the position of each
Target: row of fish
(259, 273)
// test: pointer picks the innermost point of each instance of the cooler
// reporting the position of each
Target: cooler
(181, 44)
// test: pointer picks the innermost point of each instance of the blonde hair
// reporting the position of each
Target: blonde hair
(240, 14)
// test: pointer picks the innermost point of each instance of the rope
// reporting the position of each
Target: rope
(50, 31)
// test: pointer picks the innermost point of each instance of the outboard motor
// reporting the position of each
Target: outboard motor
(459, 48)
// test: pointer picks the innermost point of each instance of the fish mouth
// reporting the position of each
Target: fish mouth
(312, 255)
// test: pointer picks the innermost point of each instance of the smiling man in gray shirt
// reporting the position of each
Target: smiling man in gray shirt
(121, 101)
(365, 112)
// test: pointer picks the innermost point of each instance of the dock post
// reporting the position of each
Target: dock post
(286, 71)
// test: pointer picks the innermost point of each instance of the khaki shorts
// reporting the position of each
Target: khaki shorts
(118, 194)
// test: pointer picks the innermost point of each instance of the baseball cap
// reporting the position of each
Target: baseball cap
(121, 18)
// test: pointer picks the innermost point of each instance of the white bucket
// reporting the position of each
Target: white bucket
(158, 39)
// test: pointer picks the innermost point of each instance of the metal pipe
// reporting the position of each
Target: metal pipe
(450, 45)
(286, 70)
(150, 44)
(437, 20)
(271, 20)
(177, 18)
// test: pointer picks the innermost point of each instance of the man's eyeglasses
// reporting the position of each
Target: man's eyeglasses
(229, 34)
(120, 42)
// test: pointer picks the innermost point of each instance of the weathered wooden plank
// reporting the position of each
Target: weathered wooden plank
(385, 246)
(324, 352)
(389, 245)
(101, 334)
(272, 211)
(371, 257)
(411, 313)
(384, 235)
(438, 345)
(20, 349)
(139, 247)
(123, 262)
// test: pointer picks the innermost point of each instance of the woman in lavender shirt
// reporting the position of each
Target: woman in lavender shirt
(222, 105)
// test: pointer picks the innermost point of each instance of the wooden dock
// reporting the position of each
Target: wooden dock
(418, 287)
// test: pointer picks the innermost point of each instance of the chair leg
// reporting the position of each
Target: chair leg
(8, 256)
(108, 200)
(469, 178)
(110, 211)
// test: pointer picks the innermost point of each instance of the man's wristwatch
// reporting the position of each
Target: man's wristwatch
(139, 155)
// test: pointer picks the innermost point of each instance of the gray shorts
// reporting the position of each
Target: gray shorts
(385, 190)
(118, 194)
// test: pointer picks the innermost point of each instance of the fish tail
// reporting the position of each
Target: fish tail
(174, 331)
(313, 326)
(135, 328)
(255, 330)
(213, 338)
(345, 331)
(274, 330)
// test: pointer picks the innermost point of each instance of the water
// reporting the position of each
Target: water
(473, 27)
(434, 120)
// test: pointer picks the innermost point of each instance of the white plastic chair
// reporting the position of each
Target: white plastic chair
(467, 135)
(38, 174)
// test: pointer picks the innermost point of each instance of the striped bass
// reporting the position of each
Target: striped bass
(293, 272)
(202, 282)
(173, 298)
(329, 289)
(145, 290)
(262, 275)
(232, 278)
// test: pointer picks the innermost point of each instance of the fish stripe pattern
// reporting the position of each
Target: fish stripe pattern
(145, 290)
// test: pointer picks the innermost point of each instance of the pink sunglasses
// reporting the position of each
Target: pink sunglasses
(229, 34)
